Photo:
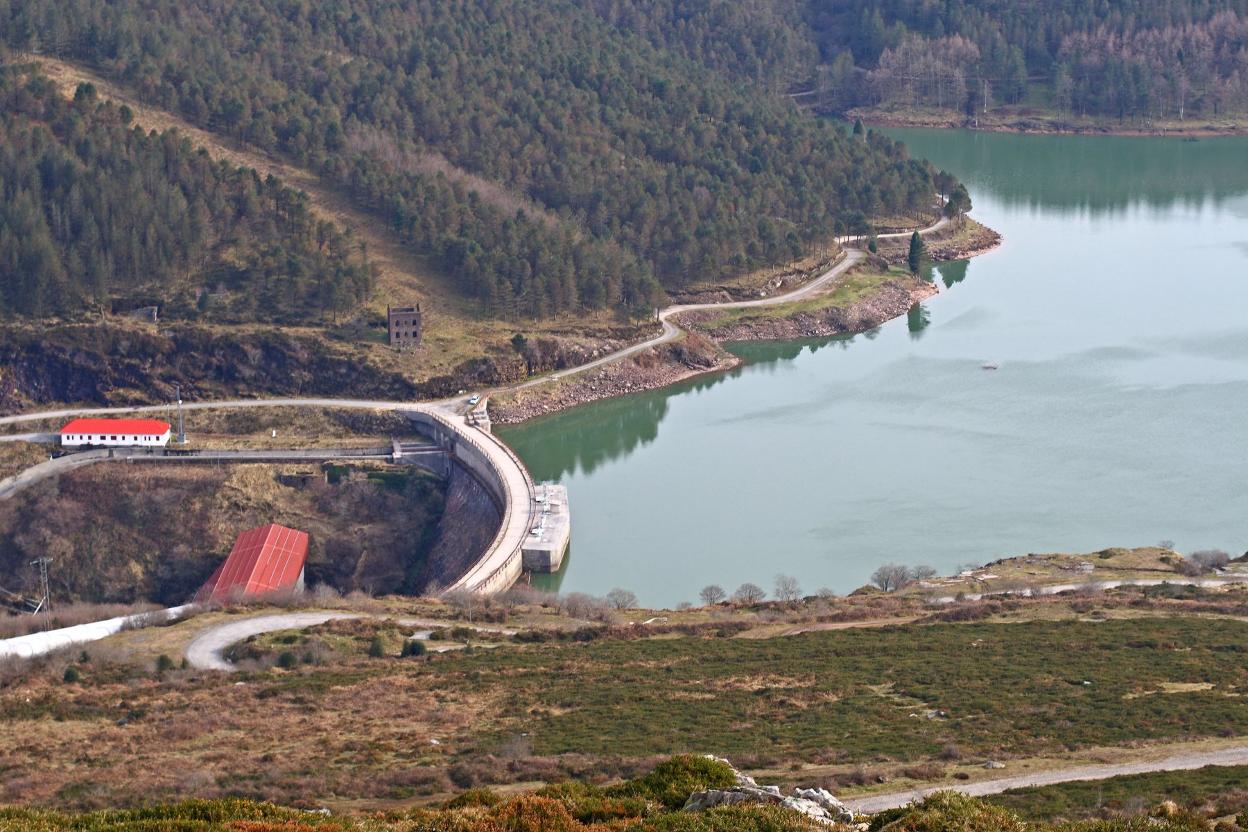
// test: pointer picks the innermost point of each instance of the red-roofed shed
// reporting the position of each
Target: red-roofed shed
(263, 560)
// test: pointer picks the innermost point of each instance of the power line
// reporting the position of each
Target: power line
(45, 602)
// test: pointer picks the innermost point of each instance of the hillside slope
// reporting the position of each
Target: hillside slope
(643, 163)
(96, 214)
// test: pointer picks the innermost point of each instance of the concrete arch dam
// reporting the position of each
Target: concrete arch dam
(502, 477)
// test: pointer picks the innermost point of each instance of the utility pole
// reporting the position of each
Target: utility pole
(45, 601)
(181, 425)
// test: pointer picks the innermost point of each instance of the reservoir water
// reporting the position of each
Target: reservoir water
(1118, 313)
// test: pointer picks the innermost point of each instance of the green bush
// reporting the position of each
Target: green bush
(376, 648)
(672, 781)
(474, 797)
(287, 660)
(944, 811)
(729, 819)
(164, 664)
(413, 647)
(72, 675)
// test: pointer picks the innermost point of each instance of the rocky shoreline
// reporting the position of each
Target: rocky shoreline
(700, 351)
(958, 241)
(650, 370)
(892, 300)
(1048, 124)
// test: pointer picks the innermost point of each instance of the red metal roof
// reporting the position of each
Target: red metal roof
(262, 560)
(137, 427)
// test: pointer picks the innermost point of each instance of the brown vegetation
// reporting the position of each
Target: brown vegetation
(128, 533)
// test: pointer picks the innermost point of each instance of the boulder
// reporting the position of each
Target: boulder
(827, 801)
(817, 804)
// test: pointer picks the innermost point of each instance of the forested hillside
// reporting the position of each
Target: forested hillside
(552, 156)
(1141, 58)
(1138, 59)
(96, 215)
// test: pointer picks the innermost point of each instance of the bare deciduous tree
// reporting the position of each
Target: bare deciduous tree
(787, 588)
(467, 603)
(712, 594)
(1209, 559)
(922, 573)
(891, 577)
(749, 594)
(577, 605)
(621, 599)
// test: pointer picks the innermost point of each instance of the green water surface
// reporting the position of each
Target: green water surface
(1118, 312)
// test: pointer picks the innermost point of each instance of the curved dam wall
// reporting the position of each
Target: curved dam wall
(504, 477)
(469, 523)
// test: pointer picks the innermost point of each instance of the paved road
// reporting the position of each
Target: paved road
(36, 644)
(1235, 756)
(672, 331)
(51, 468)
(207, 650)
(54, 467)
(232, 404)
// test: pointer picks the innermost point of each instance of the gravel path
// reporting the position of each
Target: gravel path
(207, 650)
(1234, 756)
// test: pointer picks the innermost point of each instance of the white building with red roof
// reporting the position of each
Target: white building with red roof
(115, 433)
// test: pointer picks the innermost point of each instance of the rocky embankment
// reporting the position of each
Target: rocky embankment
(656, 367)
(116, 363)
(891, 300)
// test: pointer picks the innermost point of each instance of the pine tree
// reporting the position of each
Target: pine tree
(918, 253)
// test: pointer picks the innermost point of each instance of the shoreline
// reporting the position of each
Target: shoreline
(1046, 124)
(701, 350)
(652, 369)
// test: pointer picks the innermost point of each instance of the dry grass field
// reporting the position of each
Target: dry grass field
(342, 722)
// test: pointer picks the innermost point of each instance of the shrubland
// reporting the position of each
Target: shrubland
(650, 803)
(844, 708)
